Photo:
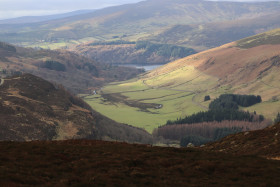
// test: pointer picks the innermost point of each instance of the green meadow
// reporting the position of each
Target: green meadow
(175, 93)
(178, 94)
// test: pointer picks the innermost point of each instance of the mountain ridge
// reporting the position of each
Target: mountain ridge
(34, 19)
(134, 20)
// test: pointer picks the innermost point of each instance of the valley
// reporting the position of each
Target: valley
(35, 109)
(180, 87)
(153, 93)
(174, 100)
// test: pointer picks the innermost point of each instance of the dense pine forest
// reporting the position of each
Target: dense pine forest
(223, 118)
(224, 108)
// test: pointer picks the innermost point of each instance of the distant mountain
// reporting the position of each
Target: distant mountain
(34, 109)
(78, 74)
(35, 19)
(210, 35)
(133, 21)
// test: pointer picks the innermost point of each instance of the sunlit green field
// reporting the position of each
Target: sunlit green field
(178, 92)
(174, 105)
(176, 100)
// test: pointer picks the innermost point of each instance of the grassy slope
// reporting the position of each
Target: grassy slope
(181, 86)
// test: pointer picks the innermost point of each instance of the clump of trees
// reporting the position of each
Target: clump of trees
(166, 50)
(201, 133)
(207, 98)
(54, 65)
(232, 101)
(224, 108)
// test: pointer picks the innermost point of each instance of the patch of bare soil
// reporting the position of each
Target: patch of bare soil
(118, 98)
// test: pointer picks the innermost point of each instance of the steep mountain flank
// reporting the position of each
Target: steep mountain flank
(248, 66)
(34, 109)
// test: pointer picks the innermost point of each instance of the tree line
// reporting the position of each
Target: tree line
(232, 101)
(201, 133)
(166, 50)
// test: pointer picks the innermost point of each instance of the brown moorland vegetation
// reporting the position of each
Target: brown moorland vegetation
(97, 163)
(262, 142)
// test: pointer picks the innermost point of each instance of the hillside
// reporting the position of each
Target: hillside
(96, 163)
(248, 66)
(131, 22)
(77, 73)
(262, 142)
(34, 109)
(141, 52)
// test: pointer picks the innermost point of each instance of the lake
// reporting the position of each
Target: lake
(139, 66)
